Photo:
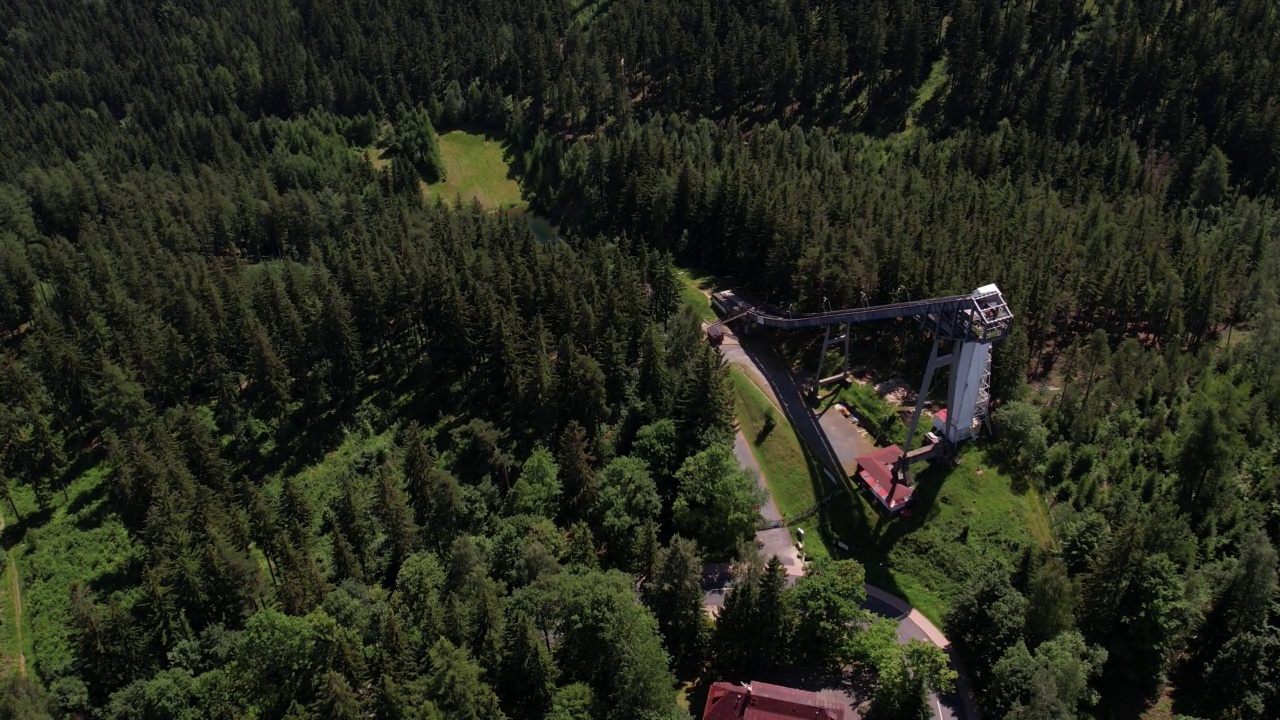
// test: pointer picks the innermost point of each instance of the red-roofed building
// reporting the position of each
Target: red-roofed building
(761, 701)
(940, 421)
(876, 472)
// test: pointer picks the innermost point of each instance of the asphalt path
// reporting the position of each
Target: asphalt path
(770, 373)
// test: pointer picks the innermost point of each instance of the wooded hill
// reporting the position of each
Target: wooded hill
(304, 405)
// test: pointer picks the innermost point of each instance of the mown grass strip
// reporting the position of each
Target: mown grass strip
(794, 481)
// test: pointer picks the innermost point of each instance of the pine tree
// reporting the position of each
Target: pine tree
(270, 378)
(527, 675)
(731, 643)
(397, 521)
(334, 332)
(300, 588)
(775, 617)
(455, 684)
(1211, 181)
(202, 453)
(336, 699)
(581, 546)
(433, 493)
(352, 515)
(1051, 602)
(664, 286)
(577, 475)
(345, 563)
(707, 403)
(676, 600)
(294, 509)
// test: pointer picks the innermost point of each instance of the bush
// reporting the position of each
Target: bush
(875, 414)
(1021, 437)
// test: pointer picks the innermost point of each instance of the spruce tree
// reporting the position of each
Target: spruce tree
(731, 643)
(676, 600)
(336, 699)
(576, 473)
(456, 685)
(775, 617)
(397, 521)
(345, 563)
(527, 675)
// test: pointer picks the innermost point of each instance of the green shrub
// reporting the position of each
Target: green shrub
(875, 414)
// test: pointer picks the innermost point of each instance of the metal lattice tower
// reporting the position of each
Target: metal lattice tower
(969, 324)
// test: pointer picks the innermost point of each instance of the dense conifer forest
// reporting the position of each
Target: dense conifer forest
(279, 438)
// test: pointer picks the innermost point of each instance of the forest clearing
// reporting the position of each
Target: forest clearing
(475, 169)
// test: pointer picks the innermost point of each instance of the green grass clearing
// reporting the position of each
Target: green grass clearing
(475, 168)
(16, 646)
(964, 518)
(794, 477)
(376, 159)
(696, 290)
(937, 78)
(82, 541)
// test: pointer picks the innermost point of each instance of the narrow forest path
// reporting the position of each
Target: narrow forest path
(15, 592)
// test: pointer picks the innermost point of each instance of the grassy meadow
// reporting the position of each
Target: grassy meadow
(475, 167)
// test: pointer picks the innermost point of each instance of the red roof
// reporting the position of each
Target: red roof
(761, 701)
(941, 416)
(876, 472)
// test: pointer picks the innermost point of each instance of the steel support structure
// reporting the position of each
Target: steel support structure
(970, 323)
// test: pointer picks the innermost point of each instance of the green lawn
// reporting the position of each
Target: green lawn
(793, 475)
(15, 635)
(696, 290)
(963, 518)
(475, 168)
(937, 78)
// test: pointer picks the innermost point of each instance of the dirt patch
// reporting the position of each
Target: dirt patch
(896, 391)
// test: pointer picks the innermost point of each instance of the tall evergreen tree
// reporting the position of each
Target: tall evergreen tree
(676, 600)
(527, 676)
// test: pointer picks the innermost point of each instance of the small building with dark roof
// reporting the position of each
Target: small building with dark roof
(715, 334)
(761, 701)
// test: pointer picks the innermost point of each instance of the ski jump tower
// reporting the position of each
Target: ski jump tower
(963, 326)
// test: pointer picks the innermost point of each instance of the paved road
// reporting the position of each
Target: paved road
(835, 452)
(770, 372)
(775, 541)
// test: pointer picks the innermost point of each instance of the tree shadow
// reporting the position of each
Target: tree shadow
(696, 694)
(764, 433)
(14, 533)
(91, 517)
(869, 533)
(86, 498)
(123, 578)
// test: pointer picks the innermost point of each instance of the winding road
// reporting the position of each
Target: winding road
(770, 373)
